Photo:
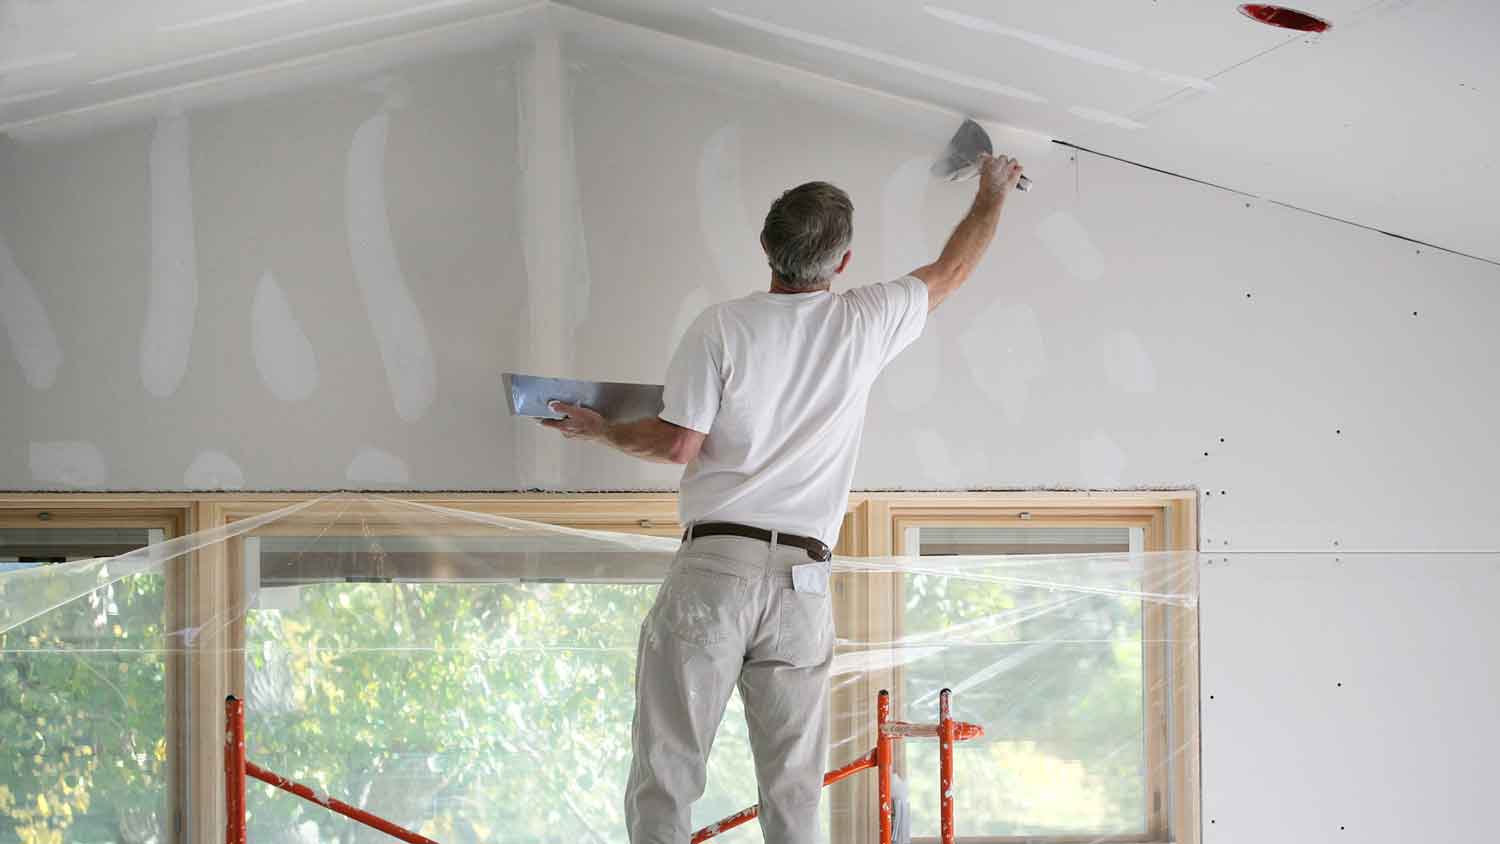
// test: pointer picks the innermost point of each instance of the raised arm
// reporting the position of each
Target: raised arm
(969, 241)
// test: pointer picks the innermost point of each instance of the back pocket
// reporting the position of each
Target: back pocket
(698, 605)
(804, 628)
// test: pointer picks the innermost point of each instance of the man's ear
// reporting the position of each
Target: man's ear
(848, 253)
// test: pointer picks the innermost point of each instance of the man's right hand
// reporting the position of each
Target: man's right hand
(998, 174)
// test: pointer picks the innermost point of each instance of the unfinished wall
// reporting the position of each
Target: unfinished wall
(317, 283)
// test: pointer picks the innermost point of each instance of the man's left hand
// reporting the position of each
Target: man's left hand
(580, 422)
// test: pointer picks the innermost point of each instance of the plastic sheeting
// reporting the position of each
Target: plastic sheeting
(471, 677)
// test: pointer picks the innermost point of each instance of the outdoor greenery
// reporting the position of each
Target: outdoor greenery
(501, 712)
(1055, 679)
(83, 756)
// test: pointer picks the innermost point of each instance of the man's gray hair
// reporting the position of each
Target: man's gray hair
(806, 234)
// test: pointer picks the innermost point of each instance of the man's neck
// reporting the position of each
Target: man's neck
(778, 287)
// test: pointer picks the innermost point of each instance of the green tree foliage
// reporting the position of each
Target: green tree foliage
(82, 720)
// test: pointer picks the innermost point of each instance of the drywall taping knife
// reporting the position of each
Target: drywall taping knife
(961, 160)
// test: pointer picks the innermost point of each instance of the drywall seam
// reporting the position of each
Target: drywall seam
(1287, 205)
(583, 17)
(172, 302)
(542, 104)
(400, 332)
(24, 318)
(199, 58)
(910, 383)
(942, 74)
(274, 67)
(721, 210)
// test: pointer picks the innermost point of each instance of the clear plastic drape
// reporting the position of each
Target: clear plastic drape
(471, 677)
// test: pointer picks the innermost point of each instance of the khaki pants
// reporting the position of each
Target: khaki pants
(728, 613)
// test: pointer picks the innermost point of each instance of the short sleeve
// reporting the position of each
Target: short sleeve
(694, 380)
(898, 313)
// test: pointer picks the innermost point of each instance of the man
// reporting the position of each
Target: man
(765, 404)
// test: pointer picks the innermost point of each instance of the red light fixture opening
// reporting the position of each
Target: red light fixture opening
(1285, 18)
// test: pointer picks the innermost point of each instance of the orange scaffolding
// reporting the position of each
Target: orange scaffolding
(947, 731)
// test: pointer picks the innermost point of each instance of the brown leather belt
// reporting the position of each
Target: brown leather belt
(814, 548)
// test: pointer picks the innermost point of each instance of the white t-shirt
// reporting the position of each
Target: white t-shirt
(779, 382)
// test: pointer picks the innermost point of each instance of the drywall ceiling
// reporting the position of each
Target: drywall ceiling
(1385, 121)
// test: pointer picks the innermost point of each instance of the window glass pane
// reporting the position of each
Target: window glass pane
(26, 547)
(82, 718)
(444, 683)
(1057, 689)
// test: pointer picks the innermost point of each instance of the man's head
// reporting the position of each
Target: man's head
(807, 235)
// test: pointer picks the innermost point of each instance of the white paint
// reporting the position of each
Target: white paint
(1005, 353)
(283, 354)
(727, 231)
(400, 333)
(26, 324)
(230, 16)
(70, 463)
(374, 467)
(1126, 363)
(944, 75)
(1101, 463)
(1068, 241)
(1108, 118)
(213, 470)
(172, 304)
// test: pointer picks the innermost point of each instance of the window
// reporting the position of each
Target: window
(84, 686)
(1061, 695)
(1089, 713)
(425, 667)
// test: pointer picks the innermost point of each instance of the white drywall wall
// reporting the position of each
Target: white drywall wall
(399, 227)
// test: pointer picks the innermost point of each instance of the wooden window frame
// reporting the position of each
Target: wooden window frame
(874, 526)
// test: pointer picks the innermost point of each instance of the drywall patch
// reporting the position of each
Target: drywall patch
(32, 340)
(1127, 364)
(1101, 463)
(1005, 353)
(688, 310)
(69, 463)
(721, 211)
(910, 383)
(172, 303)
(213, 470)
(374, 467)
(1068, 241)
(937, 464)
(283, 354)
(400, 333)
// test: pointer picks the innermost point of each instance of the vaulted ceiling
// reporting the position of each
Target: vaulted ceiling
(1386, 120)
